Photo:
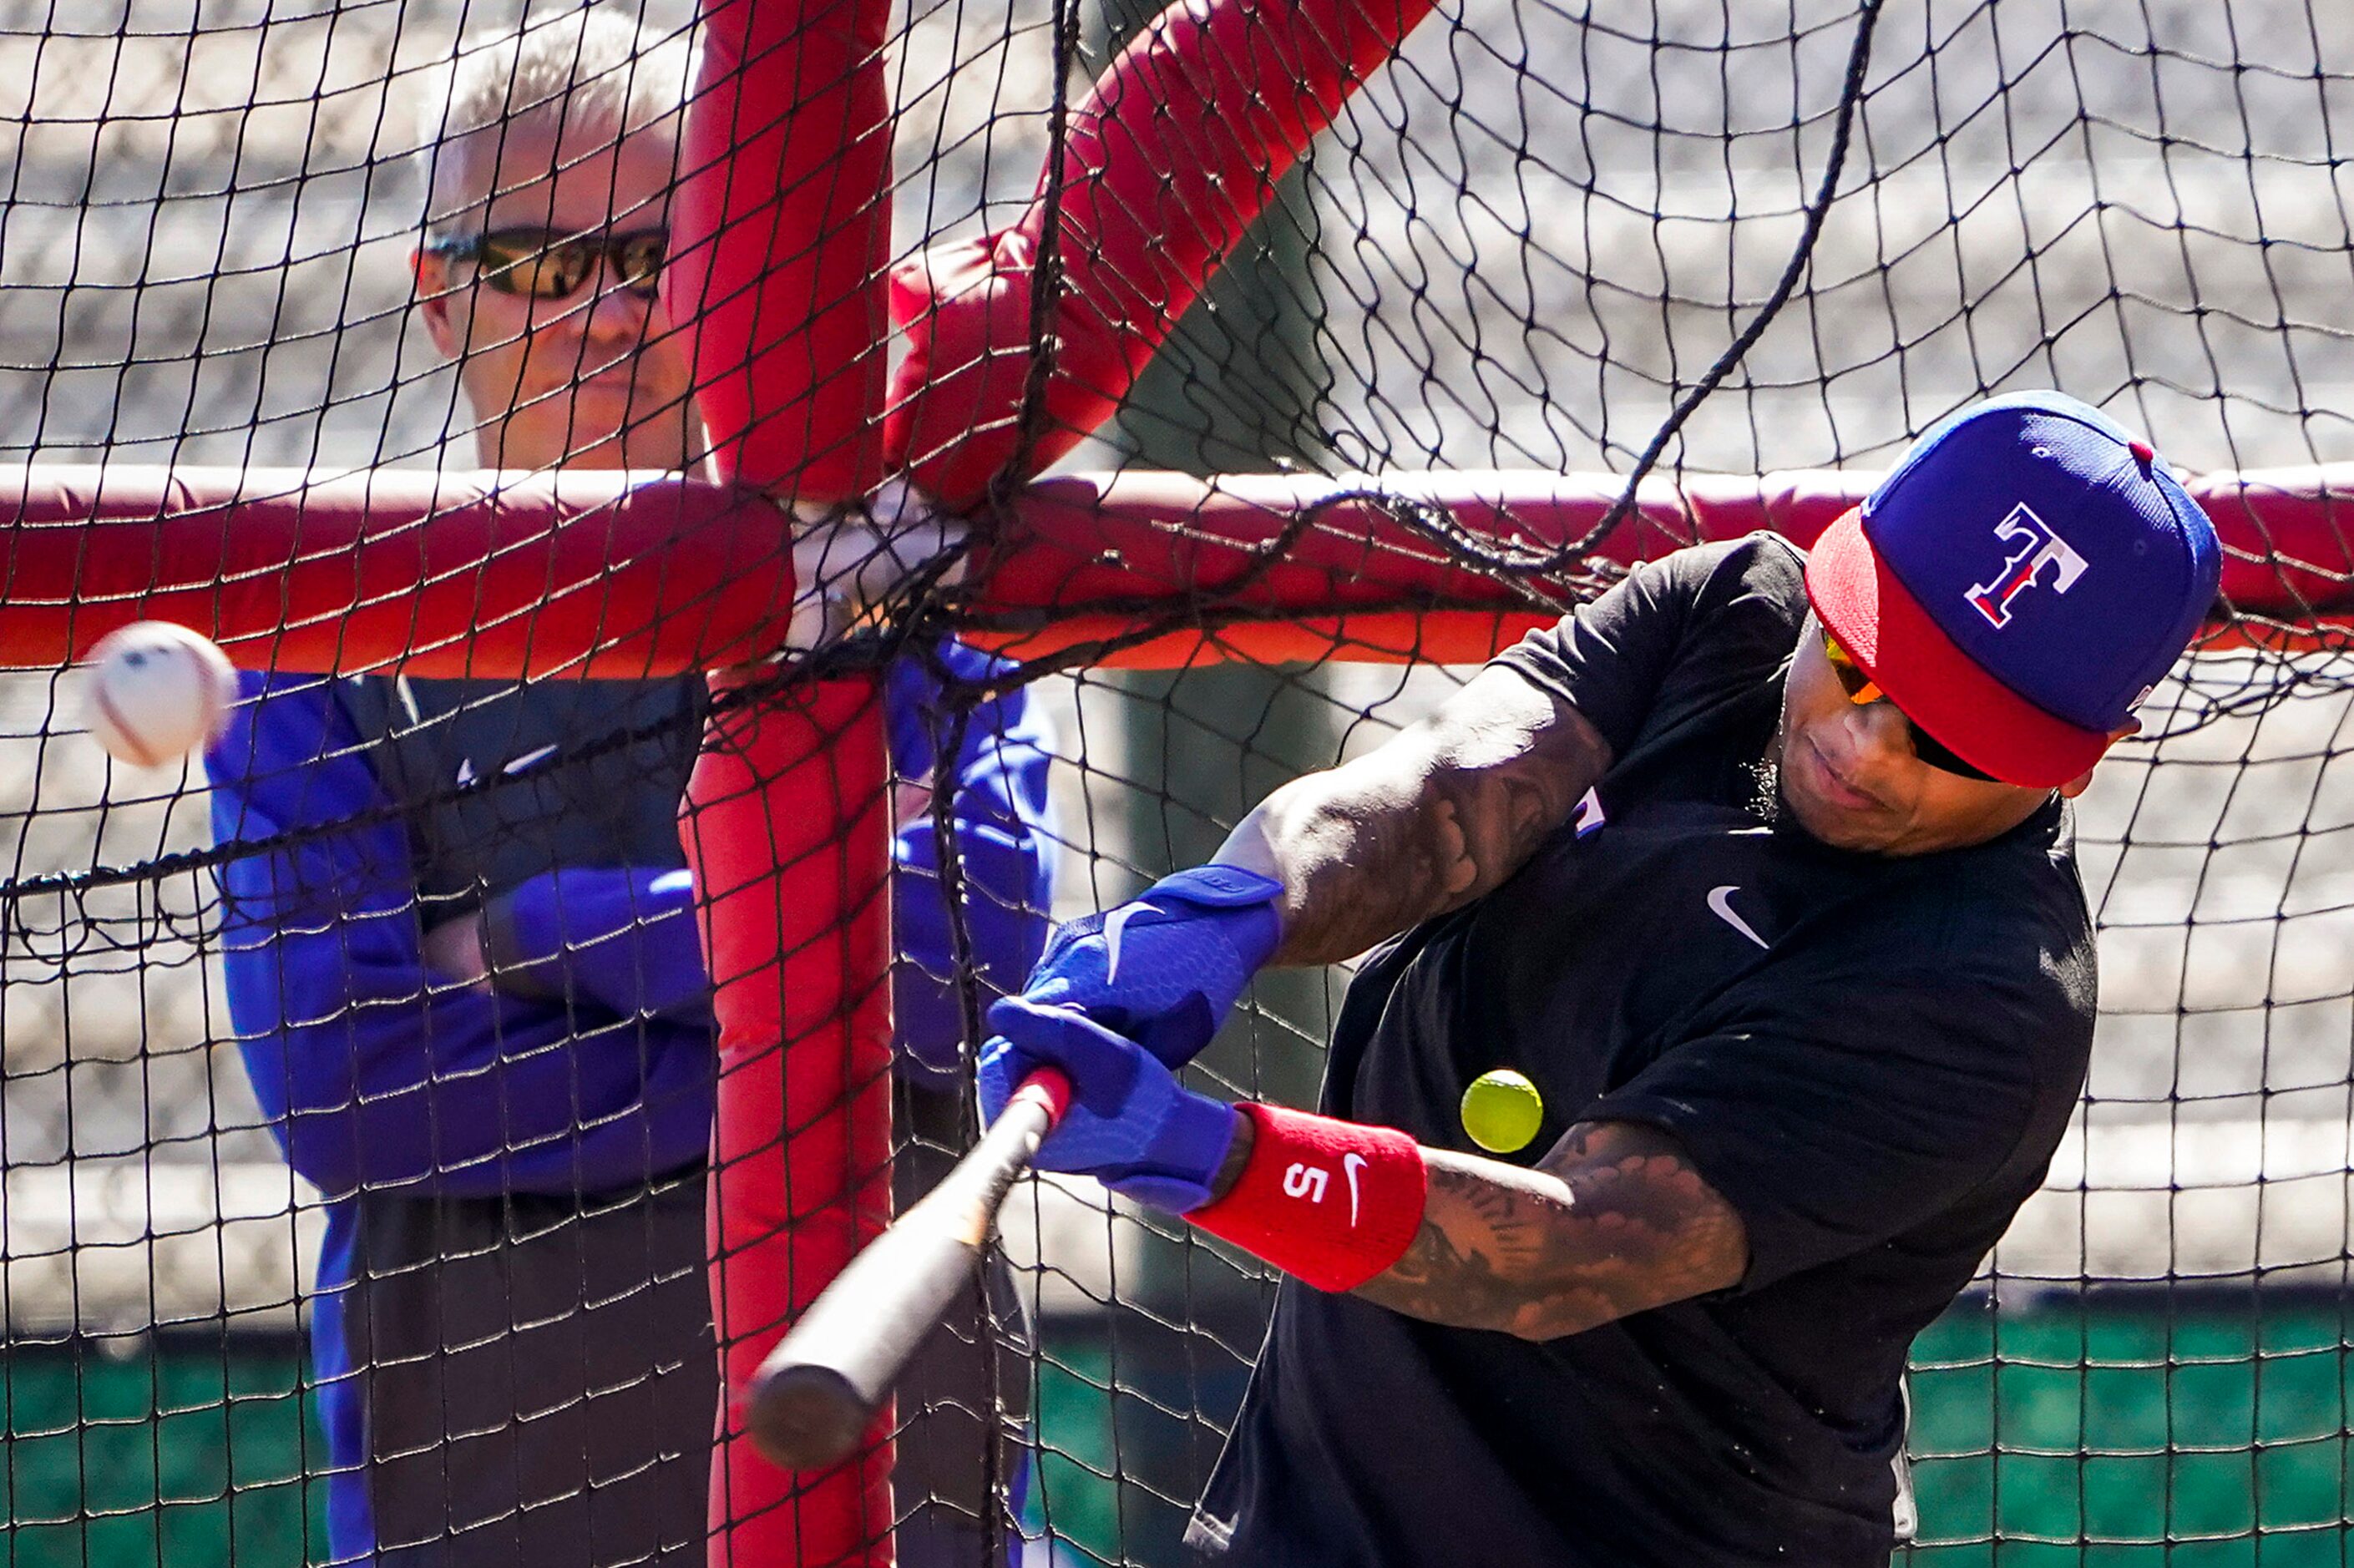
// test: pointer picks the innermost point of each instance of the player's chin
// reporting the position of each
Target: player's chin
(1865, 830)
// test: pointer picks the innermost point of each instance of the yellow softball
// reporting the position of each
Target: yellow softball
(1501, 1110)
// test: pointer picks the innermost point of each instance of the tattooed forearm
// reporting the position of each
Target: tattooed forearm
(1615, 1221)
(1440, 815)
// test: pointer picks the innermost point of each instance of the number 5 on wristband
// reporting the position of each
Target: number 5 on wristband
(1334, 1203)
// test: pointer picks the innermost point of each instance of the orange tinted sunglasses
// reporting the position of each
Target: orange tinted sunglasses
(1861, 690)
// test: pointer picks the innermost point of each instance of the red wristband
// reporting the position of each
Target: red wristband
(1334, 1203)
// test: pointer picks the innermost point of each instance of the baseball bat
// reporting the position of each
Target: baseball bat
(815, 1396)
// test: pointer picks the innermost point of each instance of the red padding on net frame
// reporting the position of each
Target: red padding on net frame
(487, 575)
(591, 574)
(780, 231)
(788, 830)
(780, 236)
(1096, 562)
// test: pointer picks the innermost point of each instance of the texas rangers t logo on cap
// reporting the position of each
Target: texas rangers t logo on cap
(2039, 547)
(2031, 689)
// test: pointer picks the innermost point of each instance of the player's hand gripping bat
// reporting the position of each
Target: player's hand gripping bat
(811, 1400)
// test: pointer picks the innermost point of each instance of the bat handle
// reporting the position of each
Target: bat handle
(814, 1397)
(1049, 1088)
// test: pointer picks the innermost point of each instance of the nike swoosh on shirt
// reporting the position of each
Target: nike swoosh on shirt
(529, 759)
(1350, 1162)
(1720, 903)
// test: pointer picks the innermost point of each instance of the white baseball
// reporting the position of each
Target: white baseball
(156, 692)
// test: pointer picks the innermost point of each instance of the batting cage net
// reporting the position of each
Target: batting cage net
(608, 442)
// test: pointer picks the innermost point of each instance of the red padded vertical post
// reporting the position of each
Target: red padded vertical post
(786, 828)
(780, 230)
(779, 238)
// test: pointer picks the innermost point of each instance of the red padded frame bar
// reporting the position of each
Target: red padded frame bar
(1098, 559)
(432, 574)
(588, 574)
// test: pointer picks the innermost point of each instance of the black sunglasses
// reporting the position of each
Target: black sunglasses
(1861, 690)
(544, 264)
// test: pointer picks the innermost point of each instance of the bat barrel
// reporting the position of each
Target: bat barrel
(814, 1397)
(805, 1416)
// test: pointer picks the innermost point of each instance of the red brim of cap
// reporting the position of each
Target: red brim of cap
(1925, 672)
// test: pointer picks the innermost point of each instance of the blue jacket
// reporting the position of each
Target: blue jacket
(382, 1078)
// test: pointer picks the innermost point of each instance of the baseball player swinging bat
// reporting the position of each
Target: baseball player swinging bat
(815, 1396)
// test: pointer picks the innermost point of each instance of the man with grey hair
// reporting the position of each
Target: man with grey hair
(550, 156)
(477, 1016)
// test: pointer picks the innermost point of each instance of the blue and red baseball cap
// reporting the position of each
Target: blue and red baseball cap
(2019, 582)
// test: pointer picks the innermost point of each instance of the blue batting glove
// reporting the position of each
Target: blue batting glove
(1166, 969)
(1130, 1124)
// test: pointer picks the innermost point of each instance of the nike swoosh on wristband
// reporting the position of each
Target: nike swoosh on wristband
(1349, 1164)
(1115, 924)
(1720, 903)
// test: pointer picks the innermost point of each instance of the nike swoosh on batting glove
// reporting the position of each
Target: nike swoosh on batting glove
(1165, 969)
(1130, 1125)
